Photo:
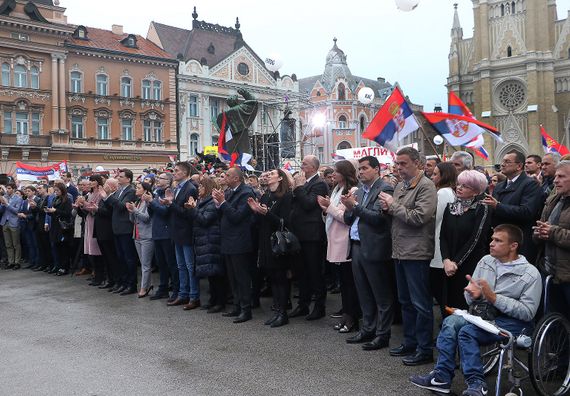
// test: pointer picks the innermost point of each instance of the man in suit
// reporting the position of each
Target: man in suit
(123, 230)
(42, 234)
(71, 189)
(103, 232)
(28, 216)
(180, 225)
(308, 225)
(237, 242)
(9, 207)
(517, 200)
(371, 252)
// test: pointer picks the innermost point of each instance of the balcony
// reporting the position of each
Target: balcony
(7, 139)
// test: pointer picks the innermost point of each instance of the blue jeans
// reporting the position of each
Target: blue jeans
(415, 297)
(189, 283)
(457, 332)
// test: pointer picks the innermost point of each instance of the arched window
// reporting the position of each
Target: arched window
(193, 146)
(35, 77)
(76, 82)
(77, 126)
(502, 10)
(341, 92)
(157, 90)
(5, 74)
(318, 93)
(343, 145)
(513, 7)
(126, 87)
(362, 124)
(102, 85)
(342, 122)
(20, 77)
(509, 51)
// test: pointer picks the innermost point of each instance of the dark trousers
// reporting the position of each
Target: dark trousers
(63, 249)
(45, 258)
(167, 267)
(98, 265)
(310, 274)
(373, 281)
(110, 260)
(350, 305)
(217, 284)
(32, 243)
(127, 254)
(279, 288)
(239, 274)
(3, 252)
(437, 287)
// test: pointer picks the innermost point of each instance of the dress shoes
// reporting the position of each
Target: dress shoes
(243, 317)
(375, 344)
(337, 314)
(30, 266)
(82, 271)
(317, 313)
(281, 320)
(417, 359)
(348, 328)
(403, 350)
(127, 291)
(158, 296)
(193, 304)
(38, 269)
(271, 319)
(215, 309)
(338, 326)
(231, 314)
(62, 272)
(120, 289)
(16, 267)
(359, 338)
(95, 283)
(205, 307)
(107, 285)
(178, 301)
(299, 311)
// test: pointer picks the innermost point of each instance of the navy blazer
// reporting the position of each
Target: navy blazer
(159, 214)
(236, 221)
(179, 219)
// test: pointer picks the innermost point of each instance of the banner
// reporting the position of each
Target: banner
(39, 173)
(384, 155)
(211, 150)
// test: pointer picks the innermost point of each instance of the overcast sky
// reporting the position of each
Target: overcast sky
(379, 40)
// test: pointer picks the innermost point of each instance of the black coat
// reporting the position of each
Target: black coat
(237, 219)
(121, 222)
(102, 226)
(306, 215)
(63, 213)
(207, 239)
(279, 209)
(179, 220)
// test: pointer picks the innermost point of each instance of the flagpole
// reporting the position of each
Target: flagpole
(430, 143)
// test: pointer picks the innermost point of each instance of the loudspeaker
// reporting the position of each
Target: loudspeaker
(287, 135)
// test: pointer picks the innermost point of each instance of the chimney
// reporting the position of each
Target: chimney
(117, 29)
(381, 79)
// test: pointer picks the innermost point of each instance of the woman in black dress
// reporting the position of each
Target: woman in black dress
(272, 209)
(61, 227)
(465, 235)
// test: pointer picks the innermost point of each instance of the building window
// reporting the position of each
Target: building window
(20, 77)
(243, 69)
(8, 122)
(341, 92)
(102, 128)
(126, 85)
(77, 127)
(513, 7)
(157, 131)
(20, 36)
(81, 33)
(35, 77)
(146, 90)
(127, 129)
(35, 124)
(147, 131)
(502, 10)
(5, 74)
(156, 90)
(102, 85)
(214, 108)
(362, 124)
(321, 154)
(152, 131)
(76, 82)
(22, 123)
(193, 146)
(509, 51)
(342, 122)
(193, 106)
(343, 145)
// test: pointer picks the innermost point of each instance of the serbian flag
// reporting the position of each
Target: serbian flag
(456, 106)
(457, 129)
(550, 145)
(393, 122)
(476, 145)
(241, 159)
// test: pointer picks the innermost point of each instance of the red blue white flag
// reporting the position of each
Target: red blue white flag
(393, 122)
(457, 129)
(456, 106)
(550, 145)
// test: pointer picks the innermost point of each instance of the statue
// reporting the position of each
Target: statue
(238, 118)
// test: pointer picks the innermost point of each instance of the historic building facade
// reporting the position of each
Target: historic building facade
(215, 62)
(85, 95)
(514, 73)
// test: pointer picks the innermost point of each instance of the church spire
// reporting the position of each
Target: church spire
(456, 30)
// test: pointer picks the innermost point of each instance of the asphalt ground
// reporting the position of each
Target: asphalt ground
(59, 336)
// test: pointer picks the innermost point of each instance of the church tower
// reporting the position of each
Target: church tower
(511, 72)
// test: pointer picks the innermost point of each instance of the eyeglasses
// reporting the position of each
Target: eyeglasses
(508, 162)
(464, 186)
(163, 178)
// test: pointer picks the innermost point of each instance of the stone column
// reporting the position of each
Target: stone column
(54, 94)
(62, 106)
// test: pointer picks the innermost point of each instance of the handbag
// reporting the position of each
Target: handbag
(284, 242)
(65, 225)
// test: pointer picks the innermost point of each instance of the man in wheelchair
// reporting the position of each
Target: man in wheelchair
(504, 288)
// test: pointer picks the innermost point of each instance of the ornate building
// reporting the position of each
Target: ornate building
(214, 62)
(514, 73)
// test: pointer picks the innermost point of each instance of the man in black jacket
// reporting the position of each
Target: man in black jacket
(517, 200)
(42, 233)
(237, 242)
(103, 232)
(308, 225)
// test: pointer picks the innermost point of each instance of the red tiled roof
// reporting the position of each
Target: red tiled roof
(107, 40)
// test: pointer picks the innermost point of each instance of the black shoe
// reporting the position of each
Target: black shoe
(205, 307)
(337, 314)
(52, 270)
(114, 288)
(231, 314)
(48, 270)
(271, 319)
(215, 309)
(30, 266)
(120, 289)
(403, 350)
(359, 338)
(377, 343)
(127, 291)
(158, 296)
(243, 317)
(38, 269)
(107, 285)
(62, 272)
(280, 320)
(299, 311)
(16, 267)
(95, 283)
(338, 326)
(317, 313)
(418, 359)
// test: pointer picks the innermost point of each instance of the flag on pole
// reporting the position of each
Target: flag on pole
(241, 159)
(457, 129)
(456, 106)
(393, 122)
(550, 145)
(476, 145)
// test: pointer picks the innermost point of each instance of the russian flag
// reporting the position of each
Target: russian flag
(456, 106)
(393, 122)
(457, 129)
(550, 145)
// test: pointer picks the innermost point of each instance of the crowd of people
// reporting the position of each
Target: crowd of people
(393, 239)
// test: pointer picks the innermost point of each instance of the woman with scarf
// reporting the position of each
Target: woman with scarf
(465, 235)
(338, 243)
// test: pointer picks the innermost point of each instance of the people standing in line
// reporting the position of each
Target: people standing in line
(10, 204)
(307, 224)
(273, 211)
(61, 229)
(237, 243)
(207, 239)
(412, 209)
(465, 235)
(338, 243)
(163, 244)
(371, 252)
(180, 226)
(142, 234)
(444, 177)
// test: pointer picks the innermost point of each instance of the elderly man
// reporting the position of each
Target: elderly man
(505, 288)
(462, 160)
(552, 233)
(548, 167)
(307, 224)
(413, 209)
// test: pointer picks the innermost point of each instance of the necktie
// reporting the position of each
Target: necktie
(509, 182)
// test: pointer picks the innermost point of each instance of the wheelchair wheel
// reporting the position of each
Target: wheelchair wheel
(550, 356)
(490, 357)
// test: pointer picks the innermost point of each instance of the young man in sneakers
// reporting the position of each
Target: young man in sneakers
(504, 287)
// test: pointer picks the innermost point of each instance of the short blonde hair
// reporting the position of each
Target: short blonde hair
(473, 179)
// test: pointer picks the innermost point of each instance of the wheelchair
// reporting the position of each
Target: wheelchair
(548, 357)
